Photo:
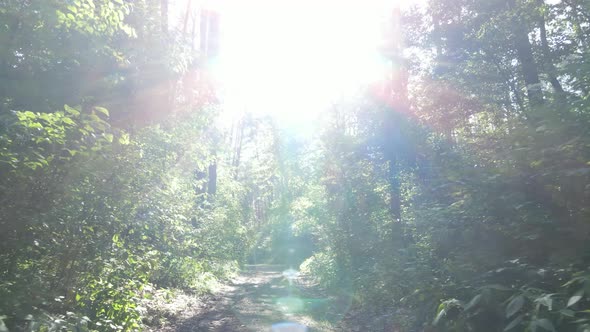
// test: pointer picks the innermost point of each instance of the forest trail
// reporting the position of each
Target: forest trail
(260, 297)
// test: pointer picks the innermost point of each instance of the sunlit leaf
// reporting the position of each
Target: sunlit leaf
(71, 110)
(102, 110)
(124, 139)
(441, 313)
(575, 298)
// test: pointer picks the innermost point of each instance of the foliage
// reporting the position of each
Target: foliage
(491, 169)
(111, 193)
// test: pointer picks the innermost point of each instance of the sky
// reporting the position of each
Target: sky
(292, 59)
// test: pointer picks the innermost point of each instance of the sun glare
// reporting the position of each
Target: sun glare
(291, 59)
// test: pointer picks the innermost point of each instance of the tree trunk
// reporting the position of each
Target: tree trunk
(209, 33)
(550, 67)
(186, 16)
(238, 148)
(164, 15)
(212, 184)
(395, 199)
(392, 132)
(528, 67)
(524, 53)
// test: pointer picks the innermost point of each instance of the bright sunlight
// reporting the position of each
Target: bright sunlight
(292, 59)
(294, 165)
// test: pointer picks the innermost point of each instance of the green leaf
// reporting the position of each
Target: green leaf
(109, 137)
(514, 323)
(498, 287)
(541, 128)
(567, 312)
(575, 298)
(68, 121)
(88, 128)
(71, 110)
(102, 110)
(124, 139)
(545, 324)
(474, 302)
(440, 315)
(514, 306)
(574, 280)
(545, 300)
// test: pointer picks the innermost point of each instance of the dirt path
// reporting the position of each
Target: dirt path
(260, 297)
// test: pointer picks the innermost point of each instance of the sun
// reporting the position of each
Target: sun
(291, 59)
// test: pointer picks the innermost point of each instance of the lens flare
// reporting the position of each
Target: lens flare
(290, 304)
(289, 327)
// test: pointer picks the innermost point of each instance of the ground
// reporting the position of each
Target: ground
(258, 298)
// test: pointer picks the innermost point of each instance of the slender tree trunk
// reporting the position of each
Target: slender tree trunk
(209, 29)
(437, 41)
(164, 15)
(395, 199)
(524, 53)
(550, 67)
(186, 16)
(528, 67)
(392, 130)
(193, 33)
(212, 184)
(238, 148)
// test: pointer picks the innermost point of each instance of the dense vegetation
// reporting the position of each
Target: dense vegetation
(463, 201)
(452, 196)
(114, 178)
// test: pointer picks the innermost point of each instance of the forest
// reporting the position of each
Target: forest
(452, 193)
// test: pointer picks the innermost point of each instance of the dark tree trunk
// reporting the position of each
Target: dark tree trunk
(528, 67)
(550, 67)
(392, 132)
(524, 53)
(395, 199)
(212, 185)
